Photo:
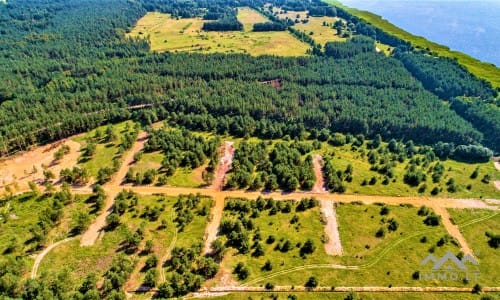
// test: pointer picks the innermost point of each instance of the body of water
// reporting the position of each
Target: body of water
(471, 27)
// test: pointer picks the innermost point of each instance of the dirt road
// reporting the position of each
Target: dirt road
(40, 256)
(217, 209)
(319, 184)
(112, 189)
(452, 229)
(333, 245)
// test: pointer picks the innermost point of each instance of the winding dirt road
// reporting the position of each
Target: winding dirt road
(40, 256)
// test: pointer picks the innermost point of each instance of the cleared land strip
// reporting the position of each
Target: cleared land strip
(452, 229)
(333, 246)
(218, 206)
(40, 256)
(92, 233)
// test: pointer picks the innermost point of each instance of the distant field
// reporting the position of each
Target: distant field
(482, 70)
(321, 34)
(168, 34)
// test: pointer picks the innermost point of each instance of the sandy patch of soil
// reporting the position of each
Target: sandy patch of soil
(333, 246)
(20, 169)
(319, 185)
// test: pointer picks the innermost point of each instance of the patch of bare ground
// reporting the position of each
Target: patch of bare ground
(227, 152)
(332, 245)
(96, 228)
(218, 206)
(319, 185)
(18, 170)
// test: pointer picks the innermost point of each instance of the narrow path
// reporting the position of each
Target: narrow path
(112, 189)
(226, 159)
(341, 289)
(452, 229)
(40, 256)
(319, 185)
(168, 252)
(333, 246)
(218, 207)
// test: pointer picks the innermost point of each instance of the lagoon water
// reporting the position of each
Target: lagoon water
(472, 27)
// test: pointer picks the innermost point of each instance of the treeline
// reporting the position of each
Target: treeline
(102, 76)
(484, 116)
(444, 76)
(226, 24)
(269, 26)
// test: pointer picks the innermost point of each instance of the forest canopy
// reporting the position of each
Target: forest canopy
(67, 68)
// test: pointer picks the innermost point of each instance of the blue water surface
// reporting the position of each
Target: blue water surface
(472, 27)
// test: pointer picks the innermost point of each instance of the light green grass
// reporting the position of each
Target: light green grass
(309, 226)
(185, 177)
(459, 171)
(483, 70)
(81, 261)
(167, 34)
(149, 161)
(23, 214)
(388, 261)
(105, 152)
(474, 233)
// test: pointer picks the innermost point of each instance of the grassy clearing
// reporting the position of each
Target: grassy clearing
(483, 70)
(80, 261)
(459, 171)
(321, 33)
(342, 296)
(383, 261)
(489, 258)
(105, 151)
(21, 213)
(279, 225)
(167, 34)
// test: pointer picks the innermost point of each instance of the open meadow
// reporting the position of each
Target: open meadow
(168, 34)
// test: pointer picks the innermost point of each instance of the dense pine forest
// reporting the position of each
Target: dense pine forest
(66, 67)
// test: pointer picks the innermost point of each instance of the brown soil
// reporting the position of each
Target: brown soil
(452, 229)
(227, 153)
(17, 170)
(333, 246)
(319, 185)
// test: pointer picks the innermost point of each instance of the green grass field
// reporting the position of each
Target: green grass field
(482, 70)
(167, 34)
(81, 261)
(382, 261)
(105, 151)
(459, 171)
(21, 214)
(474, 233)
(308, 226)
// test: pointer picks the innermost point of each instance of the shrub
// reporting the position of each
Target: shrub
(312, 282)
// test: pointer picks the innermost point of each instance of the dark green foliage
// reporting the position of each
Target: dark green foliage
(354, 46)
(307, 248)
(494, 239)
(444, 77)
(241, 271)
(312, 282)
(432, 220)
(269, 26)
